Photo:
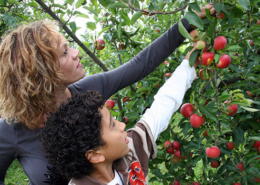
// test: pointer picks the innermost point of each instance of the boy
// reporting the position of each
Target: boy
(85, 143)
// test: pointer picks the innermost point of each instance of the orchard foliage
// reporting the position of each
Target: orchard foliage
(127, 27)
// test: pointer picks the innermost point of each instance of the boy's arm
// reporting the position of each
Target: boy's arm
(169, 98)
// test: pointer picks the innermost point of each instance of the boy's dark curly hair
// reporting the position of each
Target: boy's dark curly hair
(70, 132)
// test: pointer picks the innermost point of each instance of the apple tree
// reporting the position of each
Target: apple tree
(216, 138)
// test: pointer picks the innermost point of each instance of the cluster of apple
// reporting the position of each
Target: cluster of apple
(174, 148)
(100, 44)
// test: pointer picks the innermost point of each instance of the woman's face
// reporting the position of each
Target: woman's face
(70, 63)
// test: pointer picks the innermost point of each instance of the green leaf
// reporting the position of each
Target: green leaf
(58, 5)
(142, 89)
(244, 180)
(253, 171)
(219, 7)
(233, 48)
(104, 3)
(245, 4)
(194, 19)
(195, 6)
(91, 25)
(193, 57)
(73, 27)
(256, 138)
(208, 113)
(125, 17)
(70, 1)
(153, 79)
(91, 10)
(80, 3)
(183, 31)
(238, 136)
(117, 5)
(136, 16)
(119, 30)
(250, 109)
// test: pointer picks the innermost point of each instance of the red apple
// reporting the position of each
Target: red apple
(214, 164)
(187, 109)
(168, 75)
(195, 183)
(222, 15)
(240, 166)
(167, 144)
(257, 179)
(230, 145)
(206, 58)
(157, 30)
(99, 44)
(177, 153)
(249, 94)
(220, 43)
(110, 104)
(125, 99)
(175, 160)
(224, 61)
(176, 145)
(258, 149)
(232, 109)
(196, 121)
(209, 73)
(176, 182)
(126, 120)
(195, 35)
(213, 152)
(170, 150)
(237, 183)
(252, 43)
(158, 85)
(205, 133)
(121, 46)
(258, 22)
(257, 144)
(166, 62)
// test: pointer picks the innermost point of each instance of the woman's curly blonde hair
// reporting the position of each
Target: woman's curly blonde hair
(30, 73)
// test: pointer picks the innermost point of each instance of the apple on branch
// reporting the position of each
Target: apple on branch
(220, 43)
(224, 61)
(99, 44)
(230, 145)
(195, 35)
(206, 58)
(167, 144)
(213, 152)
(206, 74)
(110, 104)
(176, 145)
(214, 164)
(196, 121)
(187, 109)
(232, 109)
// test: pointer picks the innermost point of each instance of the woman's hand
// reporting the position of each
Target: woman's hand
(188, 57)
(202, 14)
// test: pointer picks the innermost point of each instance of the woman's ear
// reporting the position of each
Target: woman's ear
(95, 156)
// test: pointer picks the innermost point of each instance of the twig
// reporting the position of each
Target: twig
(234, 162)
(223, 83)
(202, 91)
(119, 57)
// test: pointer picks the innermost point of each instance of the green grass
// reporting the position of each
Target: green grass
(15, 175)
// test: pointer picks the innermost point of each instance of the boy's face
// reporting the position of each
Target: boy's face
(115, 137)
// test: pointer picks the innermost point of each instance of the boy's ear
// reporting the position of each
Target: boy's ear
(94, 156)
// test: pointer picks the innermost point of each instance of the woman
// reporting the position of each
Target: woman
(39, 71)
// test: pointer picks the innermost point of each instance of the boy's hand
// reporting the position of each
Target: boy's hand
(188, 57)
(202, 14)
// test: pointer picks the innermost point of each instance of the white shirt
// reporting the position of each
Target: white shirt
(117, 180)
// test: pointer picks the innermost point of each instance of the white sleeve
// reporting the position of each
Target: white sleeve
(169, 98)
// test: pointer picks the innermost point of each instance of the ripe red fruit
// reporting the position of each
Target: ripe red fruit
(99, 44)
(224, 61)
(230, 145)
(252, 43)
(237, 183)
(206, 58)
(168, 75)
(257, 179)
(258, 22)
(195, 35)
(205, 133)
(259, 149)
(157, 30)
(126, 120)
(195, 183)
(196, 121)
(125, 99)
(249, 94)
(177, 153)
(176, 182)
(170, 150)
(209, 73)
(158, 85)
(166, 62)
(121, 46)
(240, 166)
(176, 145)
(220, 43)
(222, 15)
(175, 160)
(232, 109)
(167, 144)
(213, 152)
(257, 144)
(187, 109)
(214, 164)
(110, 104)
